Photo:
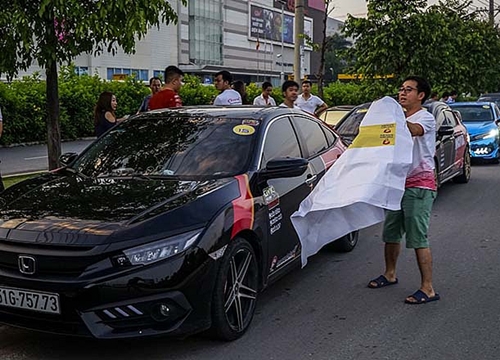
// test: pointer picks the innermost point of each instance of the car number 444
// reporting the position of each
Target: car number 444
(30, 300)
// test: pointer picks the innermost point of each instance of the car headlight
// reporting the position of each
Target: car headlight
(493, 133)
(158, 250)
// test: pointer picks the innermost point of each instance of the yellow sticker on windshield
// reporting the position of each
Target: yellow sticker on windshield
(375, 135)
(243, 130)
(360, 111)
(486, 106)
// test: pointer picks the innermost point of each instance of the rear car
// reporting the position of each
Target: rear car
(482, 122)
(452, 158)
(332, 115)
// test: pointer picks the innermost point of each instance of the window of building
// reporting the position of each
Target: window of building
(139, 74)
(159, 74)
(205, 32)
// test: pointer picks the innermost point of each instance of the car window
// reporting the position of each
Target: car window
(350, 125)
(440, 119)
(158, 144)
(330, 136)
(475, 113)
(310, 131)
(497, 111)
(280, 141)
(450, 119)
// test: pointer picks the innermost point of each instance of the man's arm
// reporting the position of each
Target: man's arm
(321, 108)
(415, 129)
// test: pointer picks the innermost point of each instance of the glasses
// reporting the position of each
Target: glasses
(407, 89)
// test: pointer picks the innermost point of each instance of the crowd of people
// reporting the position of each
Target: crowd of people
(230, 93)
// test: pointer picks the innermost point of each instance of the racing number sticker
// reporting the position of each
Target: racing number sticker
(243, 130)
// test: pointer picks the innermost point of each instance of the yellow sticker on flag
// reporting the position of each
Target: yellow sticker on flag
(375, 135)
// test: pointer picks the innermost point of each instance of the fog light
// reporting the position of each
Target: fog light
(161, 312)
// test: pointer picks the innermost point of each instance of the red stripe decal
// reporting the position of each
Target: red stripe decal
(243, 207)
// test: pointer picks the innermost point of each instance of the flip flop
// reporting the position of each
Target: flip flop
(381, 281)
(421, 298)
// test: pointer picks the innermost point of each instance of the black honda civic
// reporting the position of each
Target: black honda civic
(171, 223)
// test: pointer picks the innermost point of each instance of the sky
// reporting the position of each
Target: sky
(358, 7)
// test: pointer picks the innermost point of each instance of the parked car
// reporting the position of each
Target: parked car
(332, 115)
(490, 97)
(482, 122)
(171, 223)
(452, 157)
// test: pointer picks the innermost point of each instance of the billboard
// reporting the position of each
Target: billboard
(266, 24)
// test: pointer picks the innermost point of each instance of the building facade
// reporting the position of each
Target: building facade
(252, 39)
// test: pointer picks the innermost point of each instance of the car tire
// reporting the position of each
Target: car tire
(464, 177)
(235, 292)
(346, 243)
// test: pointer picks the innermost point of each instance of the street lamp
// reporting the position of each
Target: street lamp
(282, 74)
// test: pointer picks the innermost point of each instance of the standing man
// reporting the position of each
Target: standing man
(155, 86)
(2, 188)
(416, 204)
(168, 97)
(308, 102)
(290, 90)
(227, 96)
(265, 99)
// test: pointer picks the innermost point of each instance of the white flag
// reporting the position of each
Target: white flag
(368, 178)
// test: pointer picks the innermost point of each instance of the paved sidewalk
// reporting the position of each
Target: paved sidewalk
(31, 158)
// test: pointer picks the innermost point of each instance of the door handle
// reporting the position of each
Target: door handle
(311, 179)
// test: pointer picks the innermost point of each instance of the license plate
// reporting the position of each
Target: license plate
(31, 300)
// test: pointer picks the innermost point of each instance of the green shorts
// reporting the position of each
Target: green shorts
(413, 219)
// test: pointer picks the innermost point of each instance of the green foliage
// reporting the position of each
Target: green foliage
(444, 43)
(23, 101)
(193, 92)
(57, 31)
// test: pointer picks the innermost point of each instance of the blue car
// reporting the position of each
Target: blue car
(482, 122)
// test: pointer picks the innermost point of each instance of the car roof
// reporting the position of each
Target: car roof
(472, 103)
(240, 111)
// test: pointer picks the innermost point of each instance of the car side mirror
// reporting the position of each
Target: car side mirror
(67, 158)
(284, 168)
(446, 130)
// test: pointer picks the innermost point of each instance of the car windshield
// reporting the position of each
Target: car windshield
(172, 145)
(475, 113)
(349, 127)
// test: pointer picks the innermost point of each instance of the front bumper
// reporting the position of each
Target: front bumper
(140, 302)
(484, 149)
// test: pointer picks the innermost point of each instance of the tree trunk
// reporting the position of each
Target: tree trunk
(321, 72)
(53, 130)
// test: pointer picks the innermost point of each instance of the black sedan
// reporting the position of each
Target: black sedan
(170, 223)
(452, 158)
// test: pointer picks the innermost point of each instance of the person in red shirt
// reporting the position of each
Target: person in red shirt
(168, 97)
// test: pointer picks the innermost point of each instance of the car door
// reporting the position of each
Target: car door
(445, 146)
(282, 196)
(459, 141)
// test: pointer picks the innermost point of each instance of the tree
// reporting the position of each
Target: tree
(52, 32)
(337, 45)
(445, 43)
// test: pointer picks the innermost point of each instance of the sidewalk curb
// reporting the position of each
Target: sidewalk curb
(45, 142)
(24, 174)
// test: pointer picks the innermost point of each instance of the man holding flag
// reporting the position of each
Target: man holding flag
(420, 192)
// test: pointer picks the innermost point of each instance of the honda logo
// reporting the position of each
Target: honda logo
(27, 264)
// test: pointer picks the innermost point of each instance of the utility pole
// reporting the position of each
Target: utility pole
(491, 12)
(282, 74)
(299, 40)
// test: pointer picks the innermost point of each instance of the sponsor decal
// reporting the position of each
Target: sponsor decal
(271, 197)
(250, 122)
(375, 135)
(275, 217)
(289, 256)
(243, 130)
(243, 207)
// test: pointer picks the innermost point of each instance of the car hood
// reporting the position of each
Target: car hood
(43, 208)
(475, 128)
